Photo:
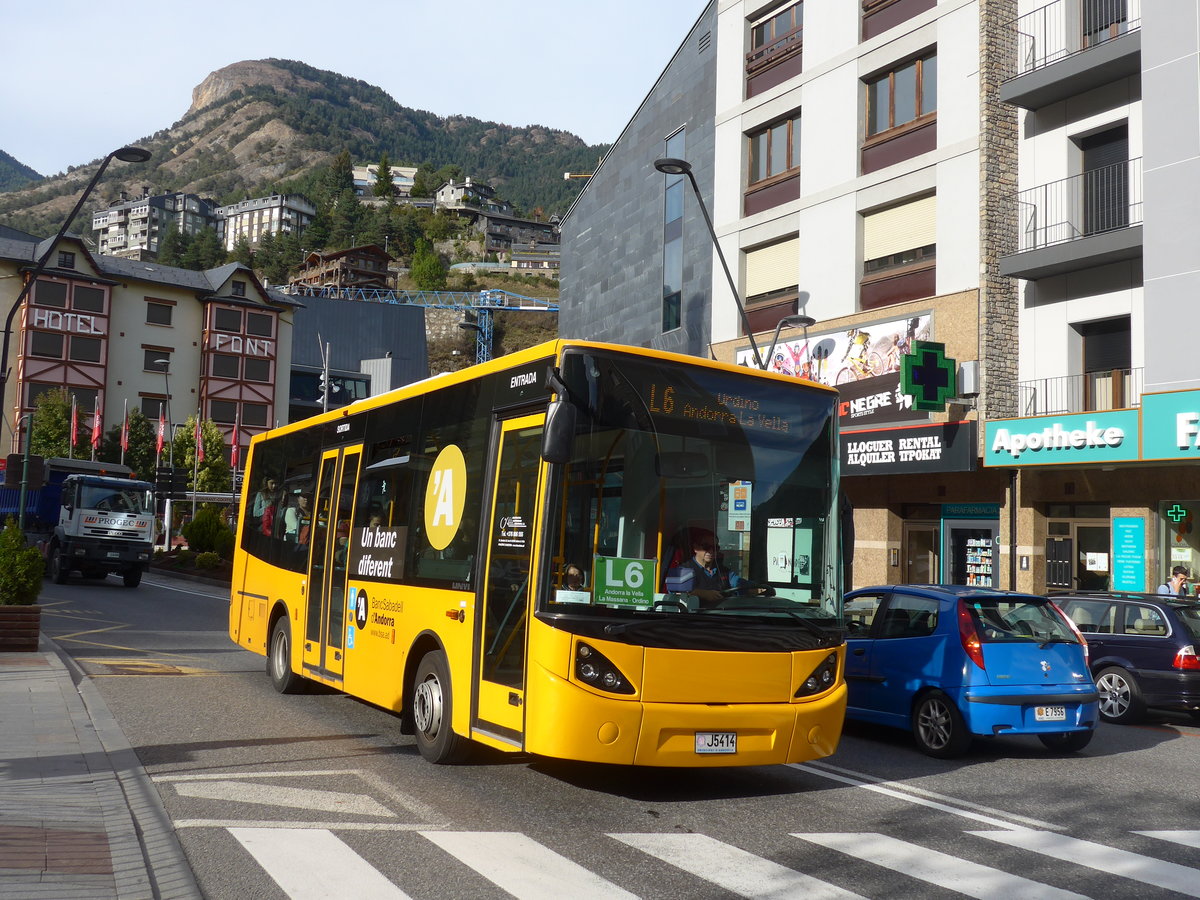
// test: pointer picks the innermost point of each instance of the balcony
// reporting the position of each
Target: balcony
(1078, 222)
(1071, 46)
(1117, 389)
(775, 63)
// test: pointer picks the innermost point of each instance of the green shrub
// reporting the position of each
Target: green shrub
(21, 568)
(201, 533)
(186, 557)
(207, 561)
(225, 542)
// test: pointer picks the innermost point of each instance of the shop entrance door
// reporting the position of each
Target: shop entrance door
(971, 552)
(1079, 554)
(921, 563)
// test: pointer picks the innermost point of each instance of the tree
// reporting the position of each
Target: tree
(140, 456)
(171, 246)
(51, 425)
(241, 251)
(345, 222)
(214, 472)
(427, 271)
(204, 251)
(383, 179)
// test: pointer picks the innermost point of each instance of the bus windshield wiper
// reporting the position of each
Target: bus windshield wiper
(803, 620)
(631, 626)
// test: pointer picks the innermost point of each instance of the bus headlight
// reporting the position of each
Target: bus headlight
(823, 678)
(594, 669)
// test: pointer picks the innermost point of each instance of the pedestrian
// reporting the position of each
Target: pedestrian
(1177, 583)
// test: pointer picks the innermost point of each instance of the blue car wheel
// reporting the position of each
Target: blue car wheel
(938, 727)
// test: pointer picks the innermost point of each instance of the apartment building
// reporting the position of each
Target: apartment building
(113, 330)
(366, 176)
(856, 161)
(133, 228)
(251, 219)
(1109, 392)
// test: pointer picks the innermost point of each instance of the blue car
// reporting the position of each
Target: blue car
(952, 663)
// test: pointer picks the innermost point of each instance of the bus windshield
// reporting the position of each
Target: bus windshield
(695, 491)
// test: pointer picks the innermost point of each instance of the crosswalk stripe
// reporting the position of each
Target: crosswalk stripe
(1187, 838)
(279, 795)
(964, 876)
(731, 868)
(315, 865)
(523, 867)
(1103, 858)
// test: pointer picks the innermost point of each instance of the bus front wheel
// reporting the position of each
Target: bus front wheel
(432, 707)
(279, 659)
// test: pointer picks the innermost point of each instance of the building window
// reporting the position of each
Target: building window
(88, 299)
(239, 288)
(259, 324)
(899, 253)
(775, 150)
(776, 48)
(258, 369)
(225, 365)
(777, 26)
(50, 293)
(151, 360)
(1108, 376)
(47, 344)
(881, 15)
(772, 283)
(152, 408)
(158, 313)
(227, 320)
(254, 414)
(85, 349)
(905, 94)
(223, 411)
(66, 260)
(672, 295)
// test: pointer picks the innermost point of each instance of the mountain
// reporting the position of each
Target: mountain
(261, 125)
(14, 174)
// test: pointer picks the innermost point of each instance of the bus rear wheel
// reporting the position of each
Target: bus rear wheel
(279, 659)
(432, 708)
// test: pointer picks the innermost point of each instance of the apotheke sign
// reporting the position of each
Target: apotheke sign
(1104, 437)
(1171, 425)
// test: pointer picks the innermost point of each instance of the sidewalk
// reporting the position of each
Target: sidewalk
(79, 818)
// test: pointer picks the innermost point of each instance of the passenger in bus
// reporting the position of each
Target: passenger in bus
(266, 505)
(572, 577)
(297, 520)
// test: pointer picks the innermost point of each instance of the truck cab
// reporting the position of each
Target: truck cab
(104, 525)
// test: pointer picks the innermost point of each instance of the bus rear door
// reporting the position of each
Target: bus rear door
(328, 535)
(508, 580)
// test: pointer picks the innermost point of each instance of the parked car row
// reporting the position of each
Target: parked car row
(952, 663)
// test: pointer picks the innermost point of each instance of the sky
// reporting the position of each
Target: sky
(84, 78)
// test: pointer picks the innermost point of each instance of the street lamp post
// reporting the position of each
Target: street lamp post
(166, 364)
(671, 166)
(794, 321)
(125, 154)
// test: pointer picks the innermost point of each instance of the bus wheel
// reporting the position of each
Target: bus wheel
(432, 712)
(279, 659)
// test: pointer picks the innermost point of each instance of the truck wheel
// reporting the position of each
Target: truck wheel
(132, 577)
(58, 570)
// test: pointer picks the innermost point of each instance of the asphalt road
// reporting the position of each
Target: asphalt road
(320, 795)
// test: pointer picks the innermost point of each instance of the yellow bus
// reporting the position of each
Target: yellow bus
(413, 550)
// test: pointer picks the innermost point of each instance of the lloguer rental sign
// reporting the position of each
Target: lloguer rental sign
(1095, 437)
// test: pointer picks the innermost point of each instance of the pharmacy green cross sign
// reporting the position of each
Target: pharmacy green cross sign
(928, 376)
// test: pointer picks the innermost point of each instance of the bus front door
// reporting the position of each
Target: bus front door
(327, 532)
(508, 584)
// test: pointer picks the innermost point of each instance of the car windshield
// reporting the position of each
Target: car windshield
(1189, 615)
(699, 491)
(1000, 618)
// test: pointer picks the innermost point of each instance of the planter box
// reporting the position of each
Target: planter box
(19, 628)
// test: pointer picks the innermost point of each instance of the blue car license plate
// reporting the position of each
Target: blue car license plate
(716, 742)
(1050, 713)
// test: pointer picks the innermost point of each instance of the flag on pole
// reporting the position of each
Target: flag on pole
(235, 450)
(97, 424)
(199, 441)
(125, 431)
(74, 421)
(162, 431)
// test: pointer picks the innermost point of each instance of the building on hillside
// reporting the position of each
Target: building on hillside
(133, 228)
(253, 218)
(506, 234)
(543, 259)
(1106, 444)
(114, 330)
(366, 176)
(355, 267)
(470, 194)
(857, 166)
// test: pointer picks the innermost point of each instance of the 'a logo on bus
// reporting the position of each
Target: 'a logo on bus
(445, 497)
(523, 380)
(360, 609)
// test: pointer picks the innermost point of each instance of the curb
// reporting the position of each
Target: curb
(165, 863)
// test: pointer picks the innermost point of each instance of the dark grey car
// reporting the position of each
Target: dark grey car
(1143, 650)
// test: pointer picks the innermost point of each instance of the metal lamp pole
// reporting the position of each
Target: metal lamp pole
(671, 166)
(794, 321)
(125, 154)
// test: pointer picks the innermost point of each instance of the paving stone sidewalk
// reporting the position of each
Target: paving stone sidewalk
(79, 818)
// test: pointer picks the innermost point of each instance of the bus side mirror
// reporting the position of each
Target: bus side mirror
(558, 437)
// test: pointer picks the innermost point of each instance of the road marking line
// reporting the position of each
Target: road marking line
(277, 795)
(314, 865)
(933, 795)
(302, 826)
(1187, 838)
(732, 868)
(523, 867)
(920, 801)
(935, 867)
(1109, 860)
(230, 776)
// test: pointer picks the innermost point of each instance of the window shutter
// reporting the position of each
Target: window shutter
(773, 268)
(900, 228)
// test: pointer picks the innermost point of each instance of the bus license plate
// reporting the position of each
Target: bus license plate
(1050, 713)
(113, 554)
(716, 742)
